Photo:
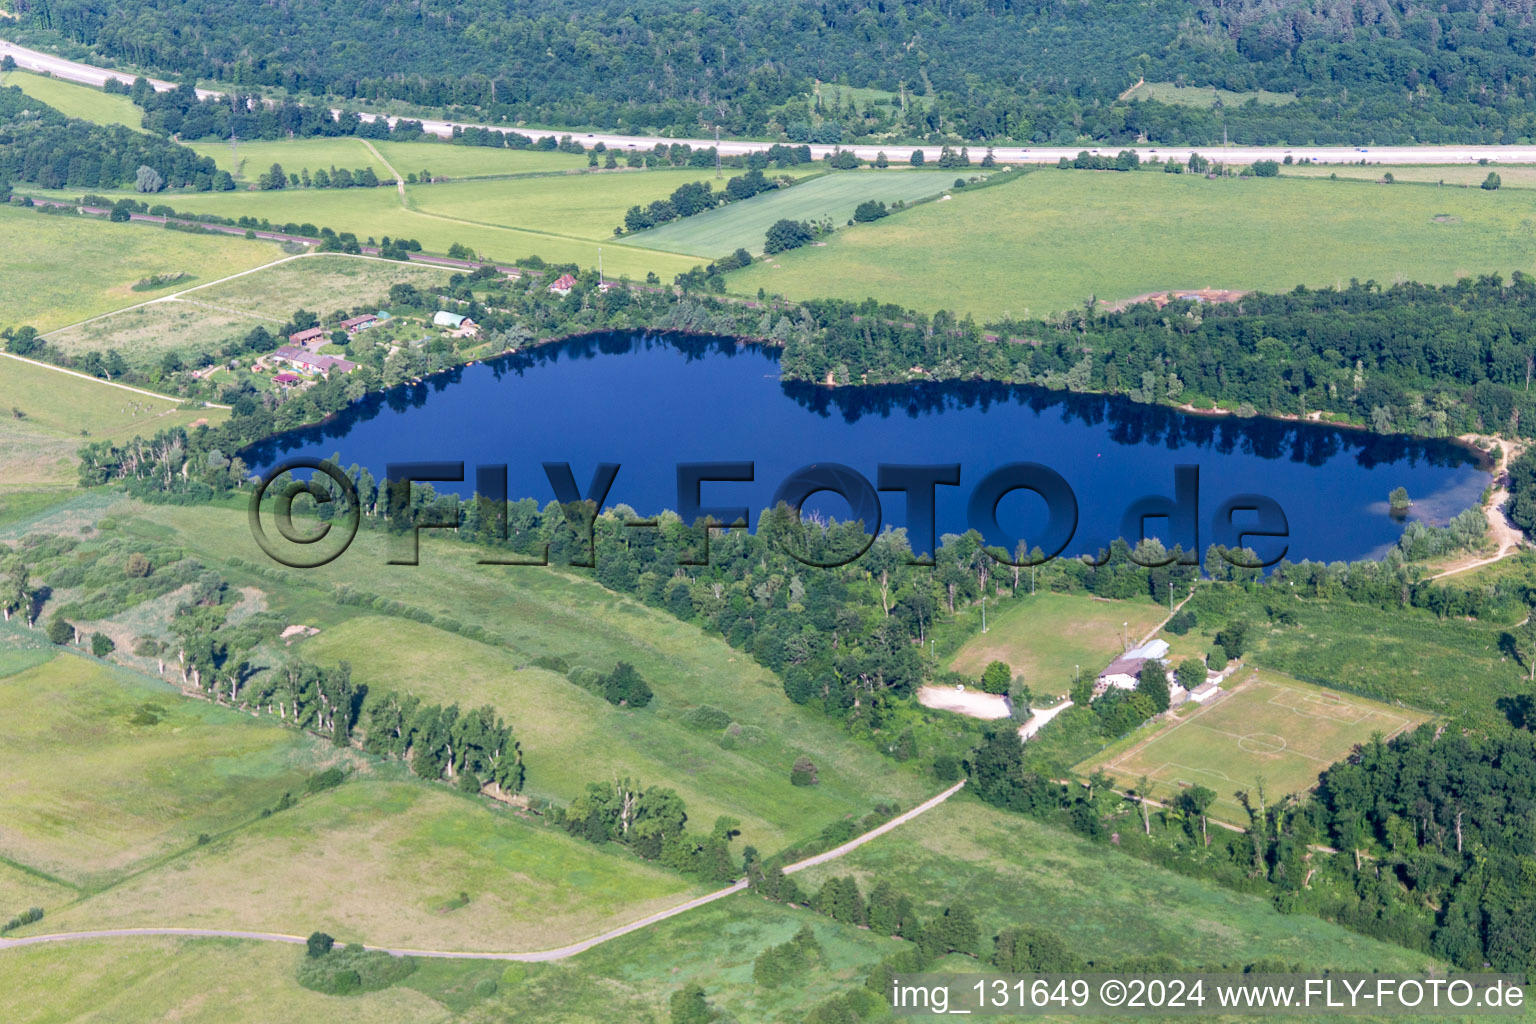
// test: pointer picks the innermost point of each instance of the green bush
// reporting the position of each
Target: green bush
(707, 718)
(352, 970)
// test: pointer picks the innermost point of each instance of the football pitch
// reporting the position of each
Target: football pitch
(1269, 727)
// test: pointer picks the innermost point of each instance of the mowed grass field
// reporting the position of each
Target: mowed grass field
(447, 160)
(1054, 238)
(376, 212)
(320, 283)
(1013, 871)
(1044, 637)
(1269, 726)
(248, 161)
(74, 100)
(59, 270)
(105, 770)
(572, 737)
(580, 206)
(60, 412)
(384, 862)
(744, 224)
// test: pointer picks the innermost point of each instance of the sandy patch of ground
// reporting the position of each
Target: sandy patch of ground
(975, 703)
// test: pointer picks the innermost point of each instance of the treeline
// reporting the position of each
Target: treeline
(1412, 358)
(41, 146)
(1387, 73)
(653, 824)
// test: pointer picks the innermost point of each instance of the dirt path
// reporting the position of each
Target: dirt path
(1504, 533)
(539, 956)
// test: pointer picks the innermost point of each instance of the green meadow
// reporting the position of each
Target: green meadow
(570, 737)
(60, 411)
(247, 161)
(1204, 96)
(60, 270)
(376, 212)
(742, 225)
(1047, 637)
(1053, 239)
(72, 100)
(446, 160)
(148, 772)
(385, 862)
(145, 333)
(580, 206)
(1469, 175)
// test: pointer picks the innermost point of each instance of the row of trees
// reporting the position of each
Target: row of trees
(696, 197)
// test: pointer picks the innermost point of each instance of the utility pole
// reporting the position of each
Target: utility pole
(1125, 636)
(1170, 582)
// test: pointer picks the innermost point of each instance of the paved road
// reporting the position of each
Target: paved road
(34, 60)
(538, 956)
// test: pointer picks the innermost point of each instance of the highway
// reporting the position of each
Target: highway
(35, 60)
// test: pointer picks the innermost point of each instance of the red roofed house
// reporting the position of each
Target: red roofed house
(308, 364)
(563, 284)
(357, 323)
(306, 337)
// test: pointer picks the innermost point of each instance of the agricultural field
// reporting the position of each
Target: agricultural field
(743, 225)
(247, 161)
(1014, 871)
(1204, 96)
(60, 270)
(446, 160)
(1461, 175)
(1045, 637)
(321, 283)
(60, 411)
(570, 737)
(579, 206)
(145, 333)
(74, 100)
(148, 771)
(1054, 238)
(386, 862)
(376, 212)
(1269, 726)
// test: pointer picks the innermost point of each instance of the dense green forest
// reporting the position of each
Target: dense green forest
(1433, 361)
(1386, 72)
(39, 144)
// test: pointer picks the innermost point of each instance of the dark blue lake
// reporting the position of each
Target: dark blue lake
(649, 403)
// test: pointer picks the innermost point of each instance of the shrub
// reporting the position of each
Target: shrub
(319, 944)
(353, 970)
(946, 768)
(1216, 660)
(996, 677)
(60, 631)
(803, 773)
(101, 645)
(328, 779)
(1181, 623)
(708, 718)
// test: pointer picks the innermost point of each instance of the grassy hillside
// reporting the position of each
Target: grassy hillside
(60, 411)
(570, 736)
(449, 161)
(321, 283)
(62, 269)
(147, 771)
(74, 100)
(384, 862)
(1054, 238)
(1014, 871)
(247, 161)
(743, 225)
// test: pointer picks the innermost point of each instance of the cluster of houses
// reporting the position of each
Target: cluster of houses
(1124, 673)
(301, 360)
